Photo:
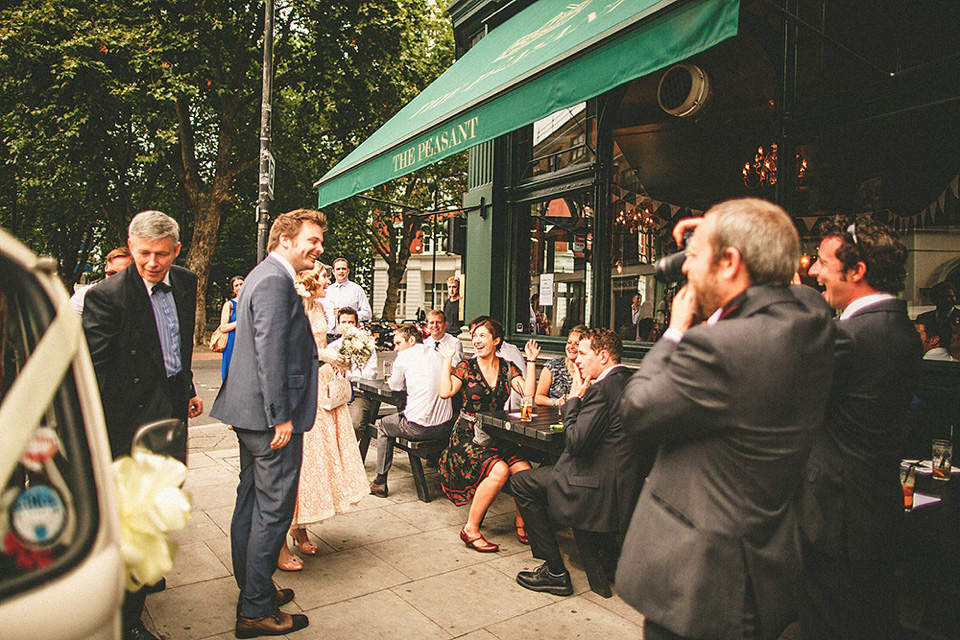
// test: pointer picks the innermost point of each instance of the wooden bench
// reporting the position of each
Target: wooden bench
(417, 450)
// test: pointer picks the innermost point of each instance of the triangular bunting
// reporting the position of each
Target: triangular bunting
(955, 186)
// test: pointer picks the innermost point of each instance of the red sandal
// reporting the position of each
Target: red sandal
(479, 543)
(522, 536)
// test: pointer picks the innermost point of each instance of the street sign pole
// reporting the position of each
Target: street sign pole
(265, 191)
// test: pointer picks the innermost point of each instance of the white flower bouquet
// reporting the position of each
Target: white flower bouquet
(357, 345)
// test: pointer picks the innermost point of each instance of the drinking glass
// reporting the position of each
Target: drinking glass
(907, 479)
(526, 408)
(942, 459)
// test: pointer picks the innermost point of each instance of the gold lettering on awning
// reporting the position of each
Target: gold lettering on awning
(455, 135)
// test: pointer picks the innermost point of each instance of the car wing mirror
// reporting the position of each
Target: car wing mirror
(163, 437)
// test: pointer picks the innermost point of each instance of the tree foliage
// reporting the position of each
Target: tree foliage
(113, 107)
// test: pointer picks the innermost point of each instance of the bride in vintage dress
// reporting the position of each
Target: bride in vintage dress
(332, 477)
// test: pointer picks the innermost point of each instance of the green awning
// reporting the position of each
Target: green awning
(552, 55)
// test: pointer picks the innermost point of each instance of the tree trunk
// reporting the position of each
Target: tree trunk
(207, 202)
(206, 224)
(394, 276)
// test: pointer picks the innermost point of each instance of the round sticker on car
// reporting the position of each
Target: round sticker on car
(38, 516)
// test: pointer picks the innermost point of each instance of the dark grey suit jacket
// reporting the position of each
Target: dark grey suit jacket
(124, 344)
(734, 407)
(596, 481)
(851, 500)
(273, 371)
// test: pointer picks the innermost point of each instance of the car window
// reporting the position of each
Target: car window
(48, 507)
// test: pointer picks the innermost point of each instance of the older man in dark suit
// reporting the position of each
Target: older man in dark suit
(595, 483)
(139, 328)
(733, 394)
(851, 500)
(270, 398)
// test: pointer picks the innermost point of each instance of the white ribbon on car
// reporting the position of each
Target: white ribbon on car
(30, 396)
(152, 504)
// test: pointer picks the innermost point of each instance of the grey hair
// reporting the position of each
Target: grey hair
(154, 225)
(764, 235)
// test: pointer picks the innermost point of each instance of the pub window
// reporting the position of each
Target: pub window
(553, 263)
(639, 307)
(562, 139)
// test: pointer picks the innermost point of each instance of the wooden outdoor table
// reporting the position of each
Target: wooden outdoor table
(380, 391)
(928, 557)
(538, 434)
(535, 434)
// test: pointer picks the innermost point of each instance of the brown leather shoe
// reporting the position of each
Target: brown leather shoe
(379, 489)
(283, 597)
(278, 624)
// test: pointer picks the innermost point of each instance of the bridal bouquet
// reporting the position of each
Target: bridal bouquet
(357, 345)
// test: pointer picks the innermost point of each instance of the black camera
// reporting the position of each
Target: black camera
(669, 269)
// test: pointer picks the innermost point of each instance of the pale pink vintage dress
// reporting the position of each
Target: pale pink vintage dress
(332, 477)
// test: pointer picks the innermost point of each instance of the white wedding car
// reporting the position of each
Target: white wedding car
(61, 570)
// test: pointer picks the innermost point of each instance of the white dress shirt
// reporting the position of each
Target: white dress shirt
(350, 294)
(417, 369)
(76, 300)
(430, 343)
(938, 353)
(511, 353)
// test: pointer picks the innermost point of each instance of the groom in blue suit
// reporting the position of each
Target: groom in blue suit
(270, 398)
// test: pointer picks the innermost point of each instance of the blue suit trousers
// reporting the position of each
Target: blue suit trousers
(266, 498)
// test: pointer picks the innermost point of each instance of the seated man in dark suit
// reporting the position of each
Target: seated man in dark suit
(595, 483)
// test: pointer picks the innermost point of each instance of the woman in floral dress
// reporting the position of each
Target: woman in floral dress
(332, 477)
(470, 472)
(559, 373)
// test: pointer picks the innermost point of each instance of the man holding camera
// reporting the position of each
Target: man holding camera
(712, 549)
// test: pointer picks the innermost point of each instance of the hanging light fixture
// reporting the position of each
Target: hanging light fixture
(762, 172)
(638, 219)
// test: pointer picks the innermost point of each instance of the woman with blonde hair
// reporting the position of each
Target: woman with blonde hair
(558, 373)
(332, 477)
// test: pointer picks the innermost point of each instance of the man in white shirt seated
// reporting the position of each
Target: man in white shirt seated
(936, 336)
(363, 410)
(346, 293)
(426, 415)
(437, 326)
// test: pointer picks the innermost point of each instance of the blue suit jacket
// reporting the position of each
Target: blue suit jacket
(273, 372)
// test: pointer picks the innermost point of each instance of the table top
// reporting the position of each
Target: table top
(538, 428)
(379, 390)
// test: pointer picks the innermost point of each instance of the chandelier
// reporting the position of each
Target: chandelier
(762, 172)
(636, 219)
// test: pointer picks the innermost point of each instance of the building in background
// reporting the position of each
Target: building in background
(592, 127)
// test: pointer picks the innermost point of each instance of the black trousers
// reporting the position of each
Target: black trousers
(530, 491)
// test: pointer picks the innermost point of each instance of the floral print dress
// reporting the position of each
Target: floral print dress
(562, 380)
(464, 463)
